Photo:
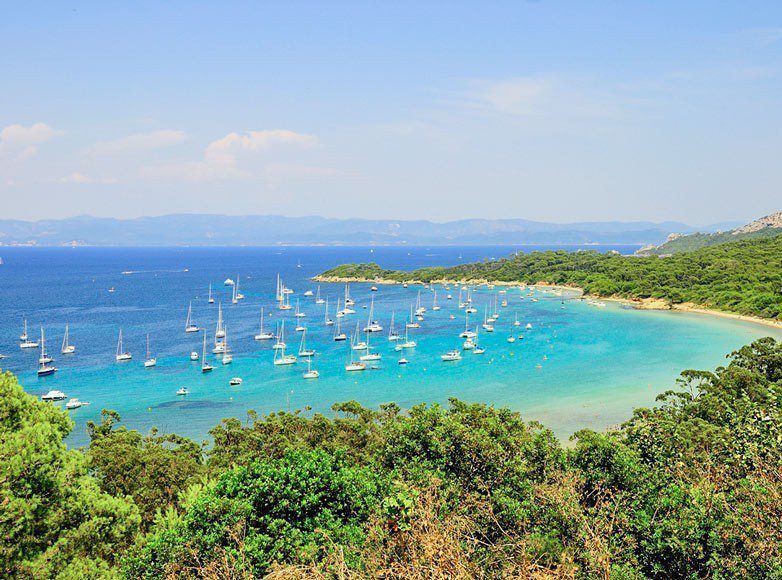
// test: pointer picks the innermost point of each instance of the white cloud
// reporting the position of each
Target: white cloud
(82, 179)
(139, 142)
(522, 96)
(222, 158)
(20, 142)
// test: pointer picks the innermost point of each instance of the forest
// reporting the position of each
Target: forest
(691, 488)
(743, 277)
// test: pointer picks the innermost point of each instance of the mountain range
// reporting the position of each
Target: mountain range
(223, 230)
(765, 227)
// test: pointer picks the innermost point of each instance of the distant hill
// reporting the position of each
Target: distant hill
(221, 230)
(765, 227)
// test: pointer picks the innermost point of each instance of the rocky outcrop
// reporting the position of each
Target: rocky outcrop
(773, 220)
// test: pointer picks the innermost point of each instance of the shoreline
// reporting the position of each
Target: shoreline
(637, 303)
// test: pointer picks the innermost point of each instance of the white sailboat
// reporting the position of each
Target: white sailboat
(412, 323)
(227, 356)
(392, 332)
(435, 306)
(358, 344)
(190, 326)
(318, 299)
(339, 335)
(354, 365)
(150, 360)
(261, 334)
(348, 300)
(407, 342)
(220, 331)
(311, 373)
(205, 366)
(121, 355)
(280, 358)
(25, 339)
(211, 298)
(279, 344)
(419, 310)
(238, 295)
(44, 368)
(326, 320)
(369, 355)
(303, 350)
(467, 333)
(299, 313)
(372, 325)
(67, 348)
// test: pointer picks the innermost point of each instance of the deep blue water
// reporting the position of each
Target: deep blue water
(579, 366)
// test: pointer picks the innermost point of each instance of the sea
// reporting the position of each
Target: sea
(578, 366)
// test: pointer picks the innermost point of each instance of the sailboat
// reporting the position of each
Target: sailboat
(311, 373)
(299, 313)
(44, 368)
(205, 366)
(279, 344)
(339, 335)
(150, 361)
(25, 339)
(412, 323)
(435, 307)
(261, 334)
(358, 345)
(280, 358)
(369, 355)
(227, 356)
(303, 350)
(211, 298)
(348, 300)
(477, 349)
(392, 333)
(234, 299)
(467, 332)
(372, 325)
(354, 365)
(516, 321)
(318, 299)
(67, 348)
(220, 331)
(419, 310)
(487, 326)
(407, 342)
(327, 321)
(190, 326)
(121, 355)
(237, 295)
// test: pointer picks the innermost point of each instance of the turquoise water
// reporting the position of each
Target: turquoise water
(579, 366)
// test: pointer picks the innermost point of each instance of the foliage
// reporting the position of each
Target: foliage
(54, 520)
(696, 241)
(744, 277)
(294, 508)
(153, 470)
(691, 488)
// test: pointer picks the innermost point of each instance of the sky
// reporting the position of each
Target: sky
(546, 110)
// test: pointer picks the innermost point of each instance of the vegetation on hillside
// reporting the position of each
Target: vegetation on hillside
(691, 242)
(743, 277)
(689, 489)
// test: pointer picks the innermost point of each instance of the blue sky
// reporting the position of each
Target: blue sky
(555, 111)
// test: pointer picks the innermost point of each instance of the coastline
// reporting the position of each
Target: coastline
(637, 303)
